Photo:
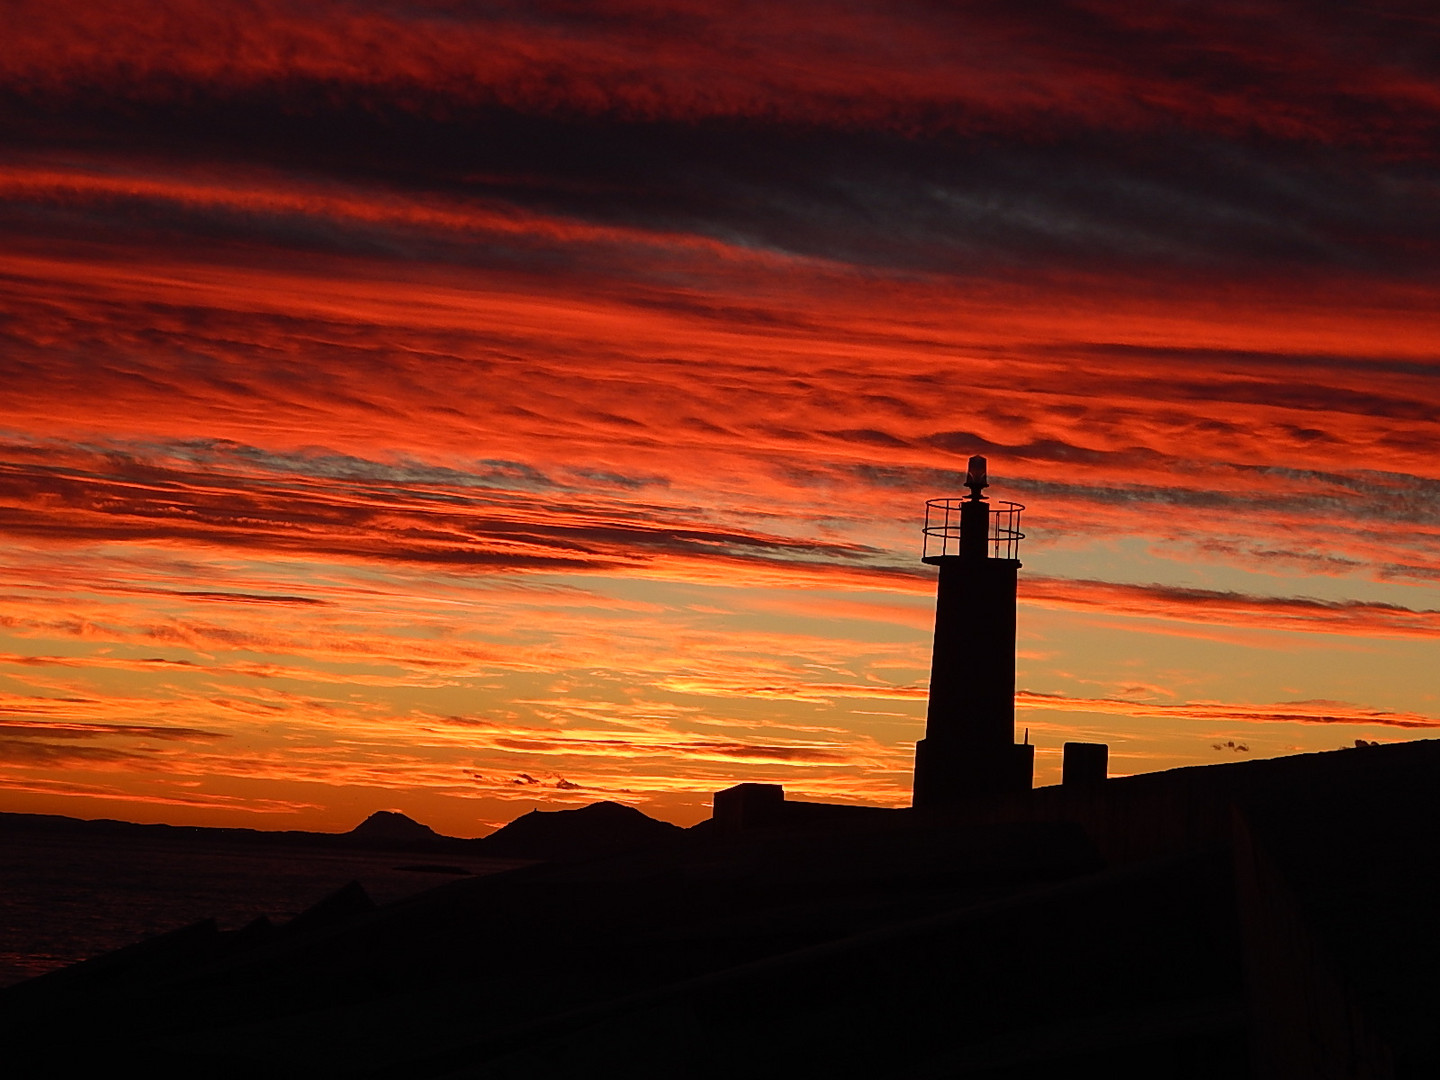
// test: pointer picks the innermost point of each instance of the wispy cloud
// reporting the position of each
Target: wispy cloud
(1285, 712)
(1297, 613)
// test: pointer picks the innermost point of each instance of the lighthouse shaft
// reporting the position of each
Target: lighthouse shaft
(969, 747)
(972, 666)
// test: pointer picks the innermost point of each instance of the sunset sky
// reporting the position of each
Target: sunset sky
(461, 408)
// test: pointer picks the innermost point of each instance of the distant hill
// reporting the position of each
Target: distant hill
(385, 830)
(600, 828)
(386, 826)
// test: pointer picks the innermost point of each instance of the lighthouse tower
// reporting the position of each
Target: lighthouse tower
(969, 748)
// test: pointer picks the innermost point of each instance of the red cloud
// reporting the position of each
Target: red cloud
(1280, 67)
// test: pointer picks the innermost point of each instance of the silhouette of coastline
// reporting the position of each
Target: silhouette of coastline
(382, 830)
(73, 889)
(540, 834)
(1259, 918)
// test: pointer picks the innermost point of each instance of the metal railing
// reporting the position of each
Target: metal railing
(942, 529)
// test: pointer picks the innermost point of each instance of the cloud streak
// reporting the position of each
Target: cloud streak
(1291, 613)
(1287, 712)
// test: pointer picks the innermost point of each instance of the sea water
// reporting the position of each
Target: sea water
(68, 897)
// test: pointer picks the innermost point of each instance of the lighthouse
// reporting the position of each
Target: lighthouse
(969, 750)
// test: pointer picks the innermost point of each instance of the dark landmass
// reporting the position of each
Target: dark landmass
(598, 829)
(1256, 919)
(384, 829)
(541, 834)
(385, 826)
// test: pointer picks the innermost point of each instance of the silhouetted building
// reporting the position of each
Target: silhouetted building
(745, 806)
(969, 747)
(1085, 763)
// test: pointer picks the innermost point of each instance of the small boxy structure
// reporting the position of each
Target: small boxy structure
(969, 749)
(746, 806)
(1085, 764)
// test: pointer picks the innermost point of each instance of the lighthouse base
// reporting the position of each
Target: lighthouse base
(949, 774)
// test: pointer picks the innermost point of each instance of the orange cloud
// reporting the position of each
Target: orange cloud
(1287, 712)
(1348, 617)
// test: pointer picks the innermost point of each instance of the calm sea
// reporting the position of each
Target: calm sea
(67, 898)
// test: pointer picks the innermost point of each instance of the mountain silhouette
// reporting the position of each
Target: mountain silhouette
(388, 825)
(600, 828)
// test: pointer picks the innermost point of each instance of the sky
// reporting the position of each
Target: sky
(466, 408)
